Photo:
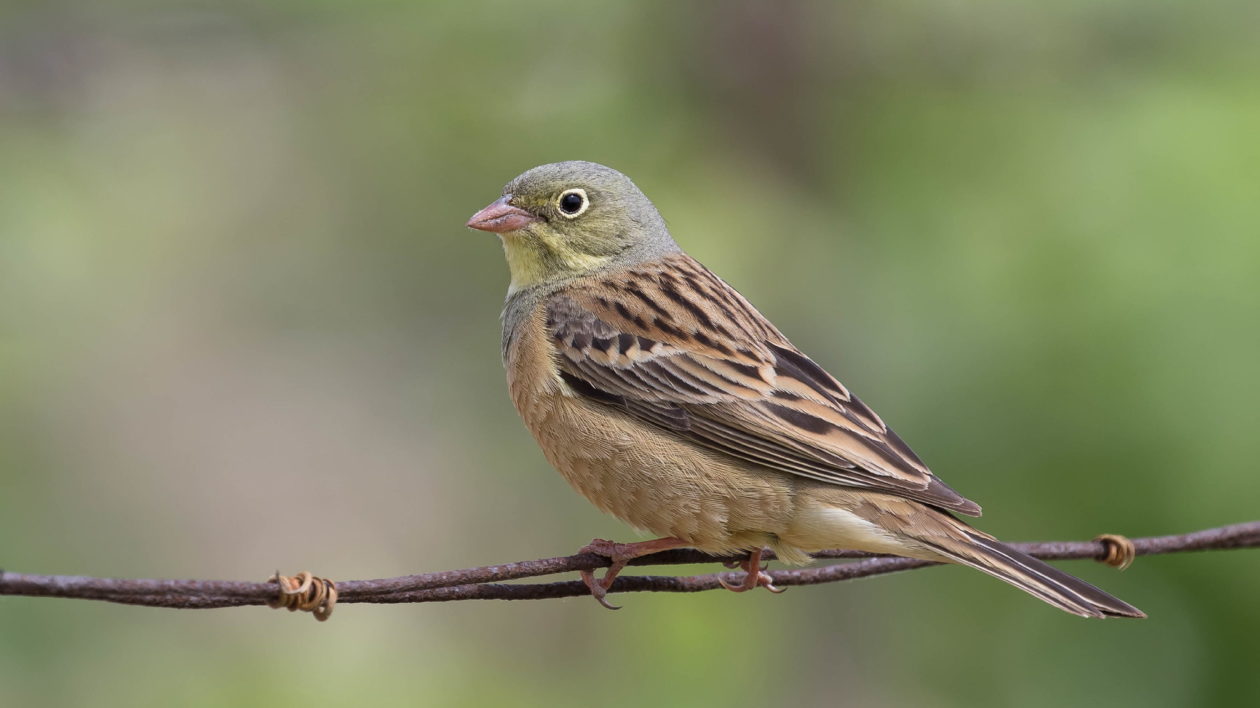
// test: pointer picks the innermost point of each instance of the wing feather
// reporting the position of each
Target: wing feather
(673, 345)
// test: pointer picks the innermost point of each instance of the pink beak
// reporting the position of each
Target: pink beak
(501, 217)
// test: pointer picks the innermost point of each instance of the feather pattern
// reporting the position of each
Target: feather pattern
(670, 343)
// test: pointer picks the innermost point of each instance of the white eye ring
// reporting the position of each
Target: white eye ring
(586, 203)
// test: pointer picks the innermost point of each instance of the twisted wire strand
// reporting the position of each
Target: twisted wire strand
(1121, 551)
(488, 582)
(305, 592)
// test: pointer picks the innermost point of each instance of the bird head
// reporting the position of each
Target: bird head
(567, 219)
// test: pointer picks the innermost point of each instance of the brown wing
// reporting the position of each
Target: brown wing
(673, 345)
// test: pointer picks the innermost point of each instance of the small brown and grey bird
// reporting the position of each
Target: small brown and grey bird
(668, 401)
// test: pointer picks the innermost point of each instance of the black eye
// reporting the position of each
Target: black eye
(573, 202)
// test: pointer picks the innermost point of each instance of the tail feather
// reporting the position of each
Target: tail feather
(1035, 577)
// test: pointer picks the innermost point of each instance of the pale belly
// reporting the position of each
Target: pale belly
(666, 486)
(660, 484)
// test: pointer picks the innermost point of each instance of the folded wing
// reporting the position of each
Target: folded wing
(673, 345)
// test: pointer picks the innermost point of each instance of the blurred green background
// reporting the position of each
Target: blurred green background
(243, 327)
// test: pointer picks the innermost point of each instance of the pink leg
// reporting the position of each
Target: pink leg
(620, 554)
(754, 576)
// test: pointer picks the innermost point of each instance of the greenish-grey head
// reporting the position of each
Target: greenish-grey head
(566, 219)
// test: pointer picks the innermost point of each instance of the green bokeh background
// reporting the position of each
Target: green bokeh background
(243, 327)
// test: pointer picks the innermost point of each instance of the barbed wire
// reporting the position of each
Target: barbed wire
(491, 582)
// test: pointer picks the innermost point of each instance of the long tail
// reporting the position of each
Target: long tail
(1035, 577)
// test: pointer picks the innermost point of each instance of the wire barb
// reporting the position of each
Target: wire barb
(305, 592)
(1119, 550)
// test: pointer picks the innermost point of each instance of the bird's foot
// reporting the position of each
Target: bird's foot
(752, 581)
(599, 588)
(608, 549)
(619, 554)
(754, 576)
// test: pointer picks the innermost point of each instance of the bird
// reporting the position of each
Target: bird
(667, 400)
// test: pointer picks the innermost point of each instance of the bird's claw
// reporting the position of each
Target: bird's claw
(603, 547)
(598, 590)
(754, 576)
(752, 581)
(619, 555)
(614, 552)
